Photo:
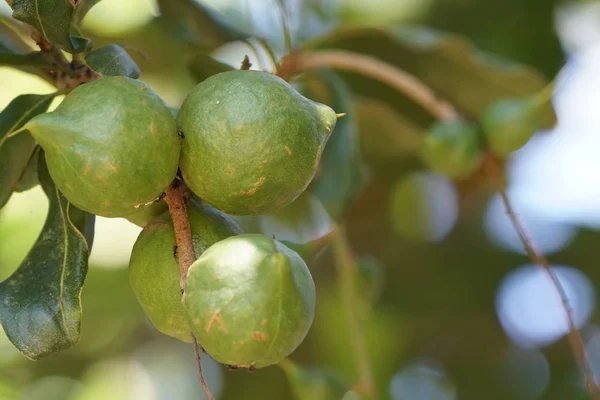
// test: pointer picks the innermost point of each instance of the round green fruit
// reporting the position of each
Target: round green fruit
(251, 143)
(111, 146)
(154, 271)
(250, 301)
(509, 123)
(452, 148)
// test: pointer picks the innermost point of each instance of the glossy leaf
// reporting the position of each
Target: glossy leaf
(341, 171)
(198, 24)
(40, 309)
(16, 151)
(112, 60)
(449, 64)
(203, 66)
(52, 19)
(10, 42)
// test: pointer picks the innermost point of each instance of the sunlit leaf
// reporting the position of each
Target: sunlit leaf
(16, 151)
(82, 8)
(52, 19)
(40, 307)
(198, 24)
(112, 60)
(449, 64)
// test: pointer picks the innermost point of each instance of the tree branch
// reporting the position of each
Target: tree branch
(374, 68)
(494, 173)
(176, 198)
(347, 272)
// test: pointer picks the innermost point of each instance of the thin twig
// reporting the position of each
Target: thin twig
(176, 198)
(574, 337)
(381, 71)
(347, 271)
(207, 392)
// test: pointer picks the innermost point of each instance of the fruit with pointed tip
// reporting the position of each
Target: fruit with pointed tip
(111, 146)
(251, 143)
(250, 301)
(509, 123)
(154, 271)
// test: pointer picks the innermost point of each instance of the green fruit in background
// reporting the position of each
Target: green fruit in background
(251, 143)
(250, 301)
(154, 271)
(111, 146)
(452, 148)
(509, 123)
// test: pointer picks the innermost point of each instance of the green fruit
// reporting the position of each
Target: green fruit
(452, 148)
(154, 271)
(314, 383)
(111, 146)
(509, 123)
(250, 301)
(251, 143)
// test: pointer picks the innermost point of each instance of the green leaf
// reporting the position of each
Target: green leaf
(449, 64)
(10, 42)
(29, 177)
(40, 306)
(203, 66)
(341, 170)
(16, 151)
(52, 18)
(198, 24)
(112, 60)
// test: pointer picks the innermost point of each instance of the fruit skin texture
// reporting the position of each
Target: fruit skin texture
(251, 143)
(509, 123)
(110, 146)
(154, 271)
(452, 148)
(249, 305)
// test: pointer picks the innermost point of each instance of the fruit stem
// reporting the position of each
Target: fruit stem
(347, 274)
(176, 198)
(373, 68)
(494, 172)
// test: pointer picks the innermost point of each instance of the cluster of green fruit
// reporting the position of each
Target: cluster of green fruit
(245, 143)
(456, 148)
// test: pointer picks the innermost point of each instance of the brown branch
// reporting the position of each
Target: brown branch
(176, 198)
(347, 272)
(494, 172)
(374, 68)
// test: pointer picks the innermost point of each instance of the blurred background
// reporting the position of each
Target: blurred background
(457, 310)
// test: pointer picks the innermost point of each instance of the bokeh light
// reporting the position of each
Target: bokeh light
(423, 379)
(530, 309)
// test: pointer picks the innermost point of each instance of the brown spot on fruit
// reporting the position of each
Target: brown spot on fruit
(214, 319)
(260, 336)
(288, 150)
(255, 188)
(112, 166)
(318, 156)
(261, 147)
(153, 130)
(197, 322)
(228, 172)
(143, 88)
(328, 129)
(99, 178)
(87, 168)
(263, 322)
